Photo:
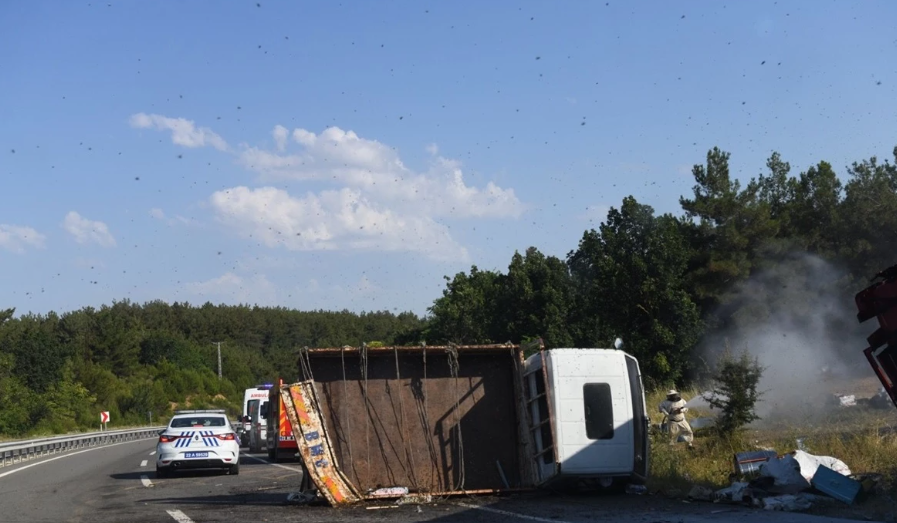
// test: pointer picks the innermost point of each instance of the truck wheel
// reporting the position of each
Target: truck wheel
(272, 454)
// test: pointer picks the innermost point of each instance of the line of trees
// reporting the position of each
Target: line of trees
(141, 361)
(665, 283)
(662, 282)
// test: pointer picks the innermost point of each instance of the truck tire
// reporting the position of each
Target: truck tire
(272, 454)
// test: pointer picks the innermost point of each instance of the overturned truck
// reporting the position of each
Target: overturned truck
(879, 301)
(374, 422)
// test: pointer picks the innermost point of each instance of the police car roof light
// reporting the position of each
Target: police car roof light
(201, 411)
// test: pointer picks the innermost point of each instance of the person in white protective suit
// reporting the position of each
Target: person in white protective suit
(674, 410)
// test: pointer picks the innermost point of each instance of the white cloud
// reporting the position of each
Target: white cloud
(330, 220)
(183, 132)
(16, 238)
(281, 134)
(88, 231)
(234, 288)
(375, 202)
(342, 157)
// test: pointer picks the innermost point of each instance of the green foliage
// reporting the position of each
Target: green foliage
(664, 283)
(58, 373)
(467, 311)
(735, 392)
(631, 277)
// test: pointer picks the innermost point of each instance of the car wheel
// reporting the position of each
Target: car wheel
(162, 473)
(234, 470)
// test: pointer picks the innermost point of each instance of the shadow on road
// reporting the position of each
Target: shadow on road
(193, 473)
(247, 460)
(133, 475)
(248, 498)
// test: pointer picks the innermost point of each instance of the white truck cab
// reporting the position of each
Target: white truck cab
(587, 416)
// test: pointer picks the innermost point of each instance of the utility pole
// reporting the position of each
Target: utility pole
(219, 357)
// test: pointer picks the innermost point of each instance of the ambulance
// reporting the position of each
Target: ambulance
(254, 402)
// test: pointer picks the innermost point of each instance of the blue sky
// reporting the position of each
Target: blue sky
(324, 155)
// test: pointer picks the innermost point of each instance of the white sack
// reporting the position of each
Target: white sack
(809, 463)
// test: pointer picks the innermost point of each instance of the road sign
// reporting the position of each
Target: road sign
(104, 417)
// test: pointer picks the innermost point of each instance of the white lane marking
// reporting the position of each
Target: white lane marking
(291, 469)
(69, 455)
(179, 516)
(143, 463)
(510, 514)
(153, 453)
(145, 480)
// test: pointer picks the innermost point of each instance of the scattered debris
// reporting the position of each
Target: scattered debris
(699, 493)
(302, 498)
(636, 489)
(849, 400)
(786, 473)
(783, 481)
(809, 463)
(748, 463)
(836, 484)
(738, 492)
(788, 503)
(415, 499)
(388, 492)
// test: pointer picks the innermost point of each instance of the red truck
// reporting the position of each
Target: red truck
(281, 443)
(879, 300)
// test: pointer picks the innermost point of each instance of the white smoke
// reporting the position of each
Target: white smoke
(798, 318)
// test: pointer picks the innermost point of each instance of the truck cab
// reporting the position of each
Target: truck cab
(587, 416)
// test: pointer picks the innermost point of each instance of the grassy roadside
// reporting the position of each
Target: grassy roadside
(866, 440)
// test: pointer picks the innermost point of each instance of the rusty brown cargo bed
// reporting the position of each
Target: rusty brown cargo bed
(437, 420)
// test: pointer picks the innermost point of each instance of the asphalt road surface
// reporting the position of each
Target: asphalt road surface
(117, 484)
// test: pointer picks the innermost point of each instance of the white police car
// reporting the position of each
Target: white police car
(198, 439)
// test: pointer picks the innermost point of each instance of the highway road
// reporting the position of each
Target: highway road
(117, 484)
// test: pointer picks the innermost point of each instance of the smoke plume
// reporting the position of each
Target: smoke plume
(798, 318)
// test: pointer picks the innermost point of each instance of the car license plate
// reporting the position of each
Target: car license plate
(196, 454)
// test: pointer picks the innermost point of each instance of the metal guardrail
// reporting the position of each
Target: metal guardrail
(12, 452)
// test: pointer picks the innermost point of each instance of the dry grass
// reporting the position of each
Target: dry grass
(866, 440)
